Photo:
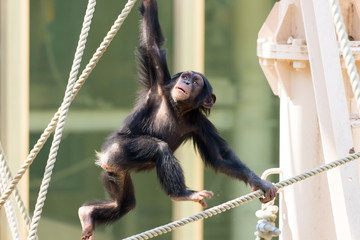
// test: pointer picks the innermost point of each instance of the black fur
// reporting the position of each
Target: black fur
(157, 126)
(121, 189)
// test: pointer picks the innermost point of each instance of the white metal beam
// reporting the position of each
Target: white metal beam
(189, 55)
(14, 91)
(333, 115)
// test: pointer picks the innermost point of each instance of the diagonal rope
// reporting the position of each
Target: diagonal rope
(79, 83)
(62, 119)
(239, 201)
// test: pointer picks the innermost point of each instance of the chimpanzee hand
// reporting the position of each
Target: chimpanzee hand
(268, 188)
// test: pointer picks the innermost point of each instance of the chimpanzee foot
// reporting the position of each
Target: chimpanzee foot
(86, 222)
(88, 237)
(196, 197)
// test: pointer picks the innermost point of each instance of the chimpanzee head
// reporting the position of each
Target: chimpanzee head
(192, 91)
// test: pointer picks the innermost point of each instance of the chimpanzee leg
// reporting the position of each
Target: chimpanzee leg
(120, 187)
(172, 180)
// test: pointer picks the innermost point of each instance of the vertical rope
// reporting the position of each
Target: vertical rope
(4, 165)
(51, 126)
(62, 118)
(9, 206)
(346, 50)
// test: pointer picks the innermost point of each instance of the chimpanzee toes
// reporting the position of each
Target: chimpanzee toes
(88, 237)
(203, 203)
(206, 193)
(86, 222)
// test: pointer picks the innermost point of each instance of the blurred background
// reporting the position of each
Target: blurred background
(246, 111)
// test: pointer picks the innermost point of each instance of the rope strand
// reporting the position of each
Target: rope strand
(4, 165)
(239, 201)
(62, 119)
(9, 206)
(346, 50)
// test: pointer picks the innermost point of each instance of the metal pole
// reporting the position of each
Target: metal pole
(14, 92)
(189, 55)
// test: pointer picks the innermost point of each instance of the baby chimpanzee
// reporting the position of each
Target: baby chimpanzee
(169, 111)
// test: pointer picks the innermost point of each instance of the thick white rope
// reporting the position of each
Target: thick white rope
(103, 46)
(4, 166)
(239, 201)
(9, 206)
(62, 118)
(10, 213)
(346, 50)
(83, 77)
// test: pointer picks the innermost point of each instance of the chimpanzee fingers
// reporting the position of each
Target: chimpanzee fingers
(266, 198)
(269, 195)
(272, 192)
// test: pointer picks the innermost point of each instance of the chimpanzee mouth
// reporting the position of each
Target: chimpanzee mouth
(181, 90)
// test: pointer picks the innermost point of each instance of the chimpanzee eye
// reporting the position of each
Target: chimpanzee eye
(196, 81)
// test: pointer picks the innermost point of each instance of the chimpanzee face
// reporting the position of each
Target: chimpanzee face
(188, 86)
(192, 90)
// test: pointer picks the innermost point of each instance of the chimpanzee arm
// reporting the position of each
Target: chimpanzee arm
(217, 154)
(152, 59)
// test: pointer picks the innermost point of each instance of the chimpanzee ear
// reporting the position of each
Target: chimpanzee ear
(209, 101)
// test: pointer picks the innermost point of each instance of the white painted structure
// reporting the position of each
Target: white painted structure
(14, 95)
(299, 54)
